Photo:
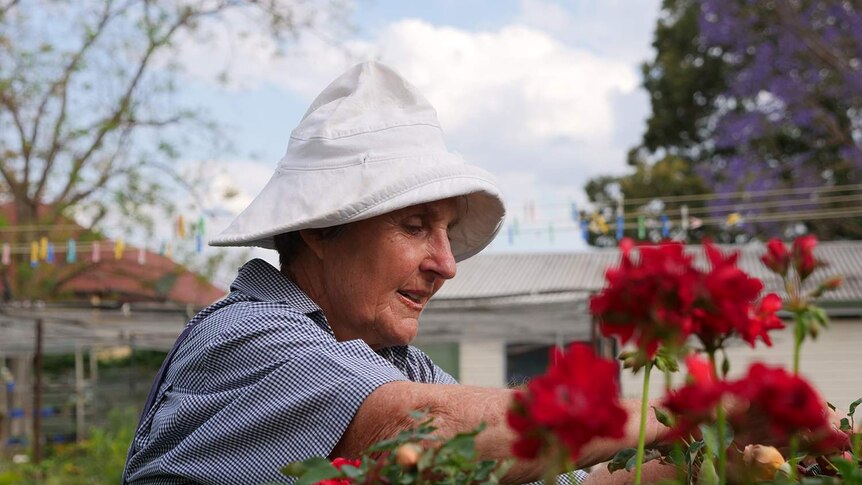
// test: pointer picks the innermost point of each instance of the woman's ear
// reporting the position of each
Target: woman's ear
(313, 238)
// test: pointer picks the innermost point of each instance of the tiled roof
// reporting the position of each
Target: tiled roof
(504, 275)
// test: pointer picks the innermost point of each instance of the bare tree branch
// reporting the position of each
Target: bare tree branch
(6, 7)
(62, 85)
(124, 102)
(107, 173)
(8, 175)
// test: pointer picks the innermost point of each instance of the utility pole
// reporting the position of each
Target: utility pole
(37, 396)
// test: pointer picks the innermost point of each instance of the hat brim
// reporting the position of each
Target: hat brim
(382, 187)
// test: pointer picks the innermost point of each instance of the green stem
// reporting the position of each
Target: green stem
(856, 445)
(720, 424)
(642, 431)
(677, 447)
(555, 466)
(797, 349)
(794, 445)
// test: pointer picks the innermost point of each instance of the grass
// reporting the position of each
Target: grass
(99, 460)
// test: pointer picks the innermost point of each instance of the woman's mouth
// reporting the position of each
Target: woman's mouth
(415, 299)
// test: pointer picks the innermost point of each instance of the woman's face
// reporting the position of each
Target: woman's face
(379, 273)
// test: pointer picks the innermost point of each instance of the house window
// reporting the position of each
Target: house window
(445, 355)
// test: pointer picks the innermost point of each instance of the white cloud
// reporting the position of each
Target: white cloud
(619, 29)
(563, 91)
(545, 103)
(240, 54)
(242, 179)
(557, 90)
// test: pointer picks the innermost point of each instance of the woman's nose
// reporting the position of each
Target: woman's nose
(440, 259)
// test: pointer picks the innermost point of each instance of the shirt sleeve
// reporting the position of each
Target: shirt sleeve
(279, 389)
(575, 477)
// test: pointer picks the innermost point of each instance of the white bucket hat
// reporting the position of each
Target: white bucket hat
(369, 144)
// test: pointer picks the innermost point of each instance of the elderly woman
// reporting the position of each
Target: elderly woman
(369, 213)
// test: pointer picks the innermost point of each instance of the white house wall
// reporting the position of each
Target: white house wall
(832, 363)
(482, 362)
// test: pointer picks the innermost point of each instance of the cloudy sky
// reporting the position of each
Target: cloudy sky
(544, 94)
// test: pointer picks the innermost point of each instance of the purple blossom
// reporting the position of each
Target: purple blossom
(794, 71)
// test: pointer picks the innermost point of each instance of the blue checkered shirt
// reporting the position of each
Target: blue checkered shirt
(260, 381)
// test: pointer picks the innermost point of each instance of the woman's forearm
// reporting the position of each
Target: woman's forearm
(460, 408)
(601, 450)
(455, 408)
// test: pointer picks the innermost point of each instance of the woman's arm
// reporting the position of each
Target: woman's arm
(460, 408)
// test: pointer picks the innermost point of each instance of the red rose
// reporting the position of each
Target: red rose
(662, 298)
(803, 255)
(700, 370)
(776, 258)
(649, 300)
(763, 319)
(340, 462)
(695, 402)
(574, 402)
(725, 300)
(786, 402)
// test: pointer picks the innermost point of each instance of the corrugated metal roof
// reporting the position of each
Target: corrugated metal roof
(505, 275)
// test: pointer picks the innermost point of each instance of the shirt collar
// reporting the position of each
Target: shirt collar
(260, 280)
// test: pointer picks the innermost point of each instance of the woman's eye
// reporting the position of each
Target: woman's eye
(414, 225)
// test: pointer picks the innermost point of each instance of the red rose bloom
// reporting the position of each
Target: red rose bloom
(786, 402)
(700, 370)
(574, 402)
(725, 300)
(695, 402)
(648, 300)
(662, 299)
(803, 255)
(776, 258)
(763, 320)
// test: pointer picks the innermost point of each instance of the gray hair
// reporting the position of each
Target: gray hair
(288, 244)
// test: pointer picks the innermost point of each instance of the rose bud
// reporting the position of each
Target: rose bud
(803, 255)
(830, 284)
(761, 462)
(407, 455)
(776, 258)
(833, 283)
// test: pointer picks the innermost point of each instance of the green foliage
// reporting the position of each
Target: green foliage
(99, 460)
(682, 82)
(416, 455)
(311, 470)
(663, 417)
(665, 359)
(649, 192)
(626, 459)
(711, 440)
(56, 364)
(851, 473)
(706, 474)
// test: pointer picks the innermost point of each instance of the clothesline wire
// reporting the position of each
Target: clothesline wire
(708, 221)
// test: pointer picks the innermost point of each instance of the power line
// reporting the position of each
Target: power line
(746, 194)
(799, 216)
(37, 227)
(766, 204)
